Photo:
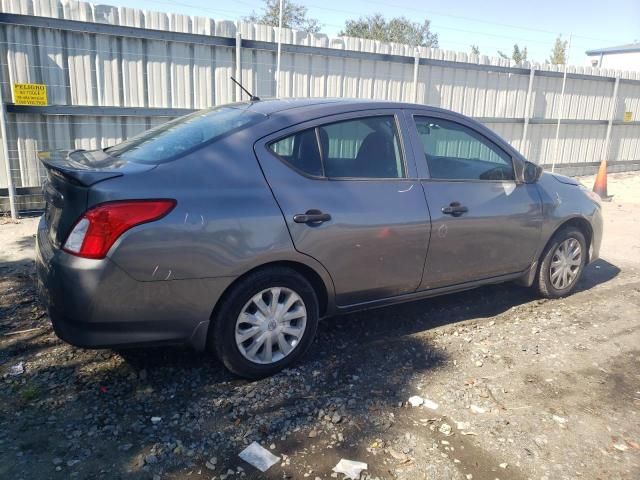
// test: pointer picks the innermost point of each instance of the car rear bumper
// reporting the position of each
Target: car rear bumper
(94, 303)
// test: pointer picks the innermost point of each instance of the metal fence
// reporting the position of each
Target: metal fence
(113, 72)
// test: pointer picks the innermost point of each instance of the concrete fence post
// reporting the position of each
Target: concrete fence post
(279, 51)
(238, 91)
(7, 160)
(416, 67)
(612, 113)
(561, 107)
(560, 112)
(527, 110)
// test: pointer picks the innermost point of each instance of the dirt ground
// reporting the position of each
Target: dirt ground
(525, 388)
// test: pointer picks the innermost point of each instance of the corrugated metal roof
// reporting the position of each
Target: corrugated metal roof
(631, 47)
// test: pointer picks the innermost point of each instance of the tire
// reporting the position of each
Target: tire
(227, 324)
(544, 282)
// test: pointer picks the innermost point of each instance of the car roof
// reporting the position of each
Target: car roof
(276, 105)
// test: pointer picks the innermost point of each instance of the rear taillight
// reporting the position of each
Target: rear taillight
(96, 231)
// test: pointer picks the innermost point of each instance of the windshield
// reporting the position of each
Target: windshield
(183, 134)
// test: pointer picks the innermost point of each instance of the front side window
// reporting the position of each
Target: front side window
(366, 147)
(455, 152)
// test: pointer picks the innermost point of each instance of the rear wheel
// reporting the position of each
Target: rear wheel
(265, 323)
(562, 263)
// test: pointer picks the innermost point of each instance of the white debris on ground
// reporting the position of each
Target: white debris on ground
(17, 369)
(417, 401)
(259, 457)
(445, 429)
(559, 419)
(350, 468)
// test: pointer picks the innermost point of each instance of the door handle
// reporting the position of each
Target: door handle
(455, 209)
(311, 217)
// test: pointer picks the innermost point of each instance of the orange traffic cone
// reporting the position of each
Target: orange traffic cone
(600, 185)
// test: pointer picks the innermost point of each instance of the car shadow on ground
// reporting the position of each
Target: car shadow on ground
(361, 367)
(419, 316)
(600, 271)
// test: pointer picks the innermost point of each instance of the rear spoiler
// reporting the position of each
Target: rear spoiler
(79, 166)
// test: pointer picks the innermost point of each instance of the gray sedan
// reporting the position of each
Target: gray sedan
(236, 228)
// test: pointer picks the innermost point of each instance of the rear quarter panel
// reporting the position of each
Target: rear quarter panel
(225, 223)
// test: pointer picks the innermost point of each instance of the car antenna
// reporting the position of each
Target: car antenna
(252, 97)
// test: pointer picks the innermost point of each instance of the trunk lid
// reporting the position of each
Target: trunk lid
(70, 176)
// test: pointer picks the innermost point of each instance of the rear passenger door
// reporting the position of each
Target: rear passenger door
(485, 223)
(348, 189)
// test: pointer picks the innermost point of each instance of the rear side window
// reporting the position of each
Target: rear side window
(455, 152)
(300, 151)
(183, 134)
(367, 147)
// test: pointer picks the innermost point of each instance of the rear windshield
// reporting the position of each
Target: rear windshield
(180, 136)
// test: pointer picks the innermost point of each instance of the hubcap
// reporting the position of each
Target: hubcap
(271, 325)
(566, 264)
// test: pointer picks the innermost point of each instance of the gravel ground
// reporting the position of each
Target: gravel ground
(525, 388)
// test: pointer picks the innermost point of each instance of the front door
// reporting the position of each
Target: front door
(351, 199)
(484, 223)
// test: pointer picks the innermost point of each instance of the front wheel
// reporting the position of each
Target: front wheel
(562, 263)
(265, 323)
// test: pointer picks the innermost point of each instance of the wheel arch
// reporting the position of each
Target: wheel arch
(535, 274)
(319, 285)
(582, 224)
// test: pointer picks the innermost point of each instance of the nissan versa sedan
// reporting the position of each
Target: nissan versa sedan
(236, 228)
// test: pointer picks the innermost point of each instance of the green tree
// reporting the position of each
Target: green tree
(293, 16)
(518, 56)
(475, 50)
(399, 30)
(559, 52)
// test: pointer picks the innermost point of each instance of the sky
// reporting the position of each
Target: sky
(492, 25)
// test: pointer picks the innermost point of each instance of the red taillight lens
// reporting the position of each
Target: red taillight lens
(97, 230)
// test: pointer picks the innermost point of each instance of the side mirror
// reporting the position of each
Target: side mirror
(532, 172)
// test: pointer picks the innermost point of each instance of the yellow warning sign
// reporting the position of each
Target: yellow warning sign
(628, 116)
(30, 94)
